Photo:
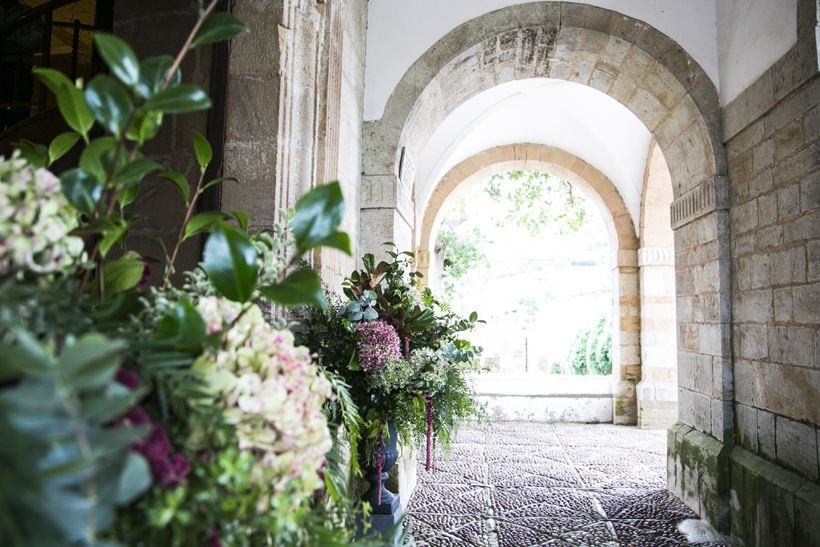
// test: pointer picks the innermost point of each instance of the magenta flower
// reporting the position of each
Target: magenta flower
(128, 379)
(379, 343)
(157, 444)
(137, 416)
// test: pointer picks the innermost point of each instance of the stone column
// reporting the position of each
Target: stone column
(626, 327)
(387, 213)
(658, 389)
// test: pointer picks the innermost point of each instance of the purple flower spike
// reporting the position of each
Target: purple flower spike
(180, 466)
(137, 416)
(157, 445)
(128, 379)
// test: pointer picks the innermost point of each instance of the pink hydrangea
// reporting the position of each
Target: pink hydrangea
(379, 343)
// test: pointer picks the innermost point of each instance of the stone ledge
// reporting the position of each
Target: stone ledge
(656, 256)
(771, 505)
(710, 195)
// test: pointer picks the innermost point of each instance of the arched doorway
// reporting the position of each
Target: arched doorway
(669, 92)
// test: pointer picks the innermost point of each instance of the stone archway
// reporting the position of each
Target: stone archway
(623, 240)
(669, 92)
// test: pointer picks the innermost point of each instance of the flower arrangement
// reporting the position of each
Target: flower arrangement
(164, 415)
(401, 352)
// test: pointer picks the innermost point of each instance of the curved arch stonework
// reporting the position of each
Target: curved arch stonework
(664, 87)
(624, 242)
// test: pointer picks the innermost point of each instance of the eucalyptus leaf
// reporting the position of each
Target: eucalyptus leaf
(317, 217)
(231, 263)
(61, 144)
(218, 27)
(110, 104)
(91, 361)
(134, 479)
(81, 189)
(122, 274)
(119, 57)
(300, 288)
(203, 151)
(179, 100)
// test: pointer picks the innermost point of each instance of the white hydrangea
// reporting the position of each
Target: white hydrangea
(35, 221)
(271, 391)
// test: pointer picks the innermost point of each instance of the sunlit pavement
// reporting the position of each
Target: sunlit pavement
(520, 483)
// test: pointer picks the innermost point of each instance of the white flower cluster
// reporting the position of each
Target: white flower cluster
(35, 220)
(272, 392)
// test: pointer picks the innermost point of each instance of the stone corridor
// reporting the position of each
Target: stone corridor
(520, 484)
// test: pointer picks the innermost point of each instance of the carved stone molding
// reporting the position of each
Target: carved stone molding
(711, 195)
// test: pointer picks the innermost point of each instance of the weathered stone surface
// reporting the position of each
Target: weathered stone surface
(516, 484)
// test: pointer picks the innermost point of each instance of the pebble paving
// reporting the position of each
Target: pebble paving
(523, 483)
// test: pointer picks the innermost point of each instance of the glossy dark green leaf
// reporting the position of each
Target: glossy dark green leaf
(152, 74)
(202, 149)
(70, 100)
(317, 218)
(218, 27)
(145, 126)
(203, 222)
(61, 144)
(179, 100)
(300, 288)
(110, 103)
(134, 479)
(122, 274)
(81, 189)
(231, 263)
(241, 219)
(34, 153)
(91, 158)
(183, 326)
(112, 232)
(181, 183)
(216, 181)
(119, 57)
(134, 171)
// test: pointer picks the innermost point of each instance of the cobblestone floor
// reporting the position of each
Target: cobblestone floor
(521, 484)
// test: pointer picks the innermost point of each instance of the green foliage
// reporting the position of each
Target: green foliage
(317, 217)
(591, 352)
(535, 200)
(64, 469)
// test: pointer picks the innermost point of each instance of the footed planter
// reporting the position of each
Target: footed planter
(386, 506)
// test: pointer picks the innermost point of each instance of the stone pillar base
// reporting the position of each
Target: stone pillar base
(624, 403)
(657, 405)
(770, 505)
(697, 471)
(403, 476)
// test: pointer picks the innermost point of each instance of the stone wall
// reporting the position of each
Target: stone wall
(294, 111)
(773, 146)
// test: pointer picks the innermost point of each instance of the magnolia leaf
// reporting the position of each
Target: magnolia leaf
(61, 144)
(317, 217)
(241, 219)
(203, 222)
(218, 27)
(231, 263)
(152, 74)
(181, 183)
(145, 126)
(34, 153)
(91, 158)
(183, 326)
(110, 103)
(122, 274)
(69, 99)
(202, 149)
(112, 232)
(81, 189)
(179, 100)
(134, 171)
(216, 181)
(119, 57)
(300, 288)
